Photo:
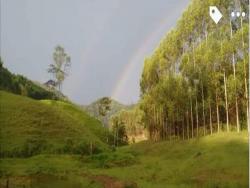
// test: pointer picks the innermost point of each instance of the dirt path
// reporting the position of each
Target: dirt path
(111, 182)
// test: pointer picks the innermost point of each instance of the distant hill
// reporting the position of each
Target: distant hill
(21, 85)
(30, 127)
(115, 107)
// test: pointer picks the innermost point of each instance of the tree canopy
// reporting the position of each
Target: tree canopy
(196, 82)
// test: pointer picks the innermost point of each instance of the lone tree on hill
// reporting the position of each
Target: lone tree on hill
(61, 65)
(104, 106)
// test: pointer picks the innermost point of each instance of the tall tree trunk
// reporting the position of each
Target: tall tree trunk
(197, 116)
(187, 119)
(246, 96)
(157, 124)
(192, 120)
(177, 125)
(245, 73)
(218, 113)
(114, 138)
(206, 35)
(170, 131)
(174, 132)
(225, 89)
(162, 123)
(154, 130)
(178, 132)
(210, 118)
(203, 109)
(183, 130)
(166, 128)
(236, 97)
(193, 57)
(117, 137)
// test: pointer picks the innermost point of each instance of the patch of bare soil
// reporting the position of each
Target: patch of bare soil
(111, 182)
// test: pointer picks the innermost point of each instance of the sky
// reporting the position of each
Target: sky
(107, 41)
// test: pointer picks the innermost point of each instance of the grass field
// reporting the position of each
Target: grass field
(220, 160)
(46, 143)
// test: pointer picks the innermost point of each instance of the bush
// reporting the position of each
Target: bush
(33, 146)
(114, 159)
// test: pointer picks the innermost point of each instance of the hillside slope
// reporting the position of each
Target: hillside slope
(219, 160)
(30, 127)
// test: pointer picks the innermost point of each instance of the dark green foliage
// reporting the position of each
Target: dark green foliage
(129, 124)
(20, 85)
(104, 106)
(119, 131)
(115, 159)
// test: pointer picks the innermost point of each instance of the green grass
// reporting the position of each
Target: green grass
(220, 160)
(44, 142)
(30, 127)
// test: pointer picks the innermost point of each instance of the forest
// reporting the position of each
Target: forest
(196, 81)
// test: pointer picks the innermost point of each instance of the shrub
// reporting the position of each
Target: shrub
(108, 160)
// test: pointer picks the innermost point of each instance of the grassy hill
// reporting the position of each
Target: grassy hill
(30, 127)
(220, 160)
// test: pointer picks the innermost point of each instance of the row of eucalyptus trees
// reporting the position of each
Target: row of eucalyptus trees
(196, 82)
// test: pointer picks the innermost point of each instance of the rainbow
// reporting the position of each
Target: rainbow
(74, 88)
(120, 87)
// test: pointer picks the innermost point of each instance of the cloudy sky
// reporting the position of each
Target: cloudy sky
(107, 41)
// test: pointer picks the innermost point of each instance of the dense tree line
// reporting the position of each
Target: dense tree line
(127, 125)
(196, 82)
(18, 84)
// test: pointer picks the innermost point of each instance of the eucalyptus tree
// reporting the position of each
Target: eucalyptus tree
(196, 82)
(61, 65)
(211, 87)
(235, 85)
(201, 76)
(189, 81)
(244, 31)
(225, 55)
(191, 109)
